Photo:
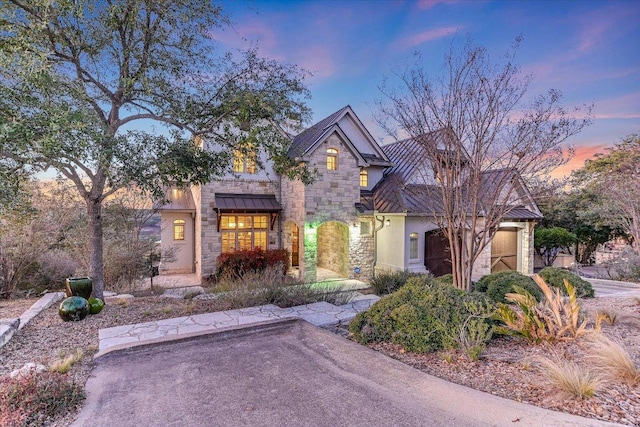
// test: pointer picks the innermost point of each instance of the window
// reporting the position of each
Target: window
(243, 232)
(244, 162)
(364, 178)
(413, 246)
(365, 228)
(178, 229)
(332, 159)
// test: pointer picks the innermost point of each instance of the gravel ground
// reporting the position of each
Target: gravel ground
(503, 370)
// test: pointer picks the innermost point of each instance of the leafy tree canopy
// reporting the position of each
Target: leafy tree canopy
(612, 177)
(115, 92)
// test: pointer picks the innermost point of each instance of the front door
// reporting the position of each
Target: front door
(504, 250)
(437, 255)
(295, 246)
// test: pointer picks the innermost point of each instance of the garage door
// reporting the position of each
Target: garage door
(437, 256)
(504, 250)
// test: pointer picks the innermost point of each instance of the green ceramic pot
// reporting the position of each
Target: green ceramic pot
(95, 305)
(73, 309)
(79, 287)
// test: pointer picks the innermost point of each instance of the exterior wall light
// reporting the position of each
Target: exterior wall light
(388, 223)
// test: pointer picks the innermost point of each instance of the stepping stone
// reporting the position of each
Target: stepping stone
(182, 293)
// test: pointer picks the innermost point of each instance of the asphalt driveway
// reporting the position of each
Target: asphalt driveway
(288, 373)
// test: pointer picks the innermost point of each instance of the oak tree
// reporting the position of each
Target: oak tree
(116, 92)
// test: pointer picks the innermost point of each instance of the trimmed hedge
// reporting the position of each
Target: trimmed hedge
(555, 277)
(497, 285)
(256, 260)
(423, 316)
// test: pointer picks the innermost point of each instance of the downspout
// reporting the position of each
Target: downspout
(375, 240)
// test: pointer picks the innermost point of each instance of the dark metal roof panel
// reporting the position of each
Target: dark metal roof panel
(246, 203)
(522, 213)
(307, 138)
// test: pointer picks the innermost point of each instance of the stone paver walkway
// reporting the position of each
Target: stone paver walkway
(319, 314)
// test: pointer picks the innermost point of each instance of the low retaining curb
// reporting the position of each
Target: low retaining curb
(8, 327)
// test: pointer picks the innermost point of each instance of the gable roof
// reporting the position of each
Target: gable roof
(307, 141)
(408, 155)
(397, 193)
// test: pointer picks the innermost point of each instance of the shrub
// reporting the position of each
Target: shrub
(497, 285)
(555, 277)
(256, 260)
(625, 266)
(31, 399)
(389, 281)
(53, 267)
(554, 318)
(422, 316)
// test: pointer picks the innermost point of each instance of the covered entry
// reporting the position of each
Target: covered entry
(333, 247)
(437, 254)
(504, 250)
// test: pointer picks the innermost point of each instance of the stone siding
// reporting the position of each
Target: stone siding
(210, 238)
(333, 247)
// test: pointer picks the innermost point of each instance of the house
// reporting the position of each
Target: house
(362, 214)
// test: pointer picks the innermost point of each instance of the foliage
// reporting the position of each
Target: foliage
(78, 77)
(624, 266)
(463, 123)
(613, 178)
(269, 286)
(425, 316)
(573, 378)
(28, 400)
(64, 364)
(553, 319)
(577, 211)
(31, 244)
(611, 358)
(389, 281)
(556, 277)
(549, 242)
(497, 285)
(252, 260)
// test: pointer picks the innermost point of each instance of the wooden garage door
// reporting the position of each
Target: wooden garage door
(437, 256)
(504, 250)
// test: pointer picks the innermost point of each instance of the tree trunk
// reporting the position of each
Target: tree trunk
(96, 266)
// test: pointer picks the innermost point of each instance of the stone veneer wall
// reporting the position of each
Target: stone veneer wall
(211, 242)
(333, 247)
(332, 197)
(362, 250)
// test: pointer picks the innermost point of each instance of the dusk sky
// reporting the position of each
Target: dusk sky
(589, 50)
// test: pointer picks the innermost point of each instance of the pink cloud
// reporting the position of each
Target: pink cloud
(582, 154)
(318, 59)
(426, 36)
(622, 107)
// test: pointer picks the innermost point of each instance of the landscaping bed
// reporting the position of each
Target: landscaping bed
(503, 369)
(506, 367)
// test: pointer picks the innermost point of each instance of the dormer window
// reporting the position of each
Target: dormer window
(244, 162)
(332, 159)
(364, 178)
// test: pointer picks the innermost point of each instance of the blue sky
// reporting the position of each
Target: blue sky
(589, 50)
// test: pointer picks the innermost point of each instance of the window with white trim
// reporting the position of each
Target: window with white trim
(178, 229)
(413, 246)
(244, 162)
(243, 232)
(332, 159)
